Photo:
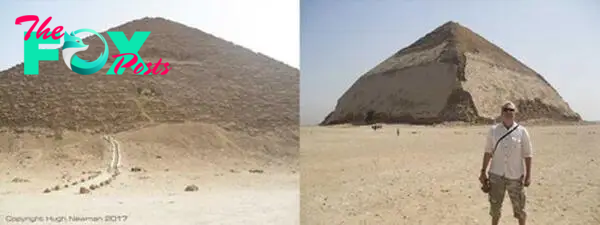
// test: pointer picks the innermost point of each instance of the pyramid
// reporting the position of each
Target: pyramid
(450, 74)
(211, 81)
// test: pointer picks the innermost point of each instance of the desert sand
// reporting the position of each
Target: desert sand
(428, 175)
(233, 188)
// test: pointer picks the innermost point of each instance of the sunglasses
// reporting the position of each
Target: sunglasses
(508, 110)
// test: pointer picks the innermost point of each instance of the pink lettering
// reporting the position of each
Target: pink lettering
(148, 71)
(167, 68)
(156, 67)
(41, 31)
(140, 67)
(128, 64)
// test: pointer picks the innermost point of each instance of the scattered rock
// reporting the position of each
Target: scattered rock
(66, 186)
(93, 186)
(19, 180)
(83, 190)
(56, 188)
(378, 126)
(47, 190)
(136, 169)
(256, 171)
(74, 183)
(191, 188)
(159, 157)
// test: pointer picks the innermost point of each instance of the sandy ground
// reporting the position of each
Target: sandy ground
(428, 175)
(228, 192)
(129, 201)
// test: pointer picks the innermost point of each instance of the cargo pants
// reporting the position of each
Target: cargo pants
(515, 188)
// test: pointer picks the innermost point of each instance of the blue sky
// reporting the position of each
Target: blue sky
(341, 40)
(267, 26)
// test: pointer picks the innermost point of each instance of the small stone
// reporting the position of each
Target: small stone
(191, 188)
(19, 180)
(83, 190)
(256, 171)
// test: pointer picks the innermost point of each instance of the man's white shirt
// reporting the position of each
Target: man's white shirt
(508, 159)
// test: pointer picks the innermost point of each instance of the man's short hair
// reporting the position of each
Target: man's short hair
(509, 104)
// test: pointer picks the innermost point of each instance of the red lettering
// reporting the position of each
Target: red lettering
(149, 64)
(138, 68)
(27, 19)
(44, 32)
(128, 64)
(156, 66)
(57, 30)
(167, 68)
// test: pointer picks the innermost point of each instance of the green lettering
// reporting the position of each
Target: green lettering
(33, 54)
(128, 46)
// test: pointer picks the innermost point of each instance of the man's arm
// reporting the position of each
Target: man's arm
(487, 155)
(527, 153)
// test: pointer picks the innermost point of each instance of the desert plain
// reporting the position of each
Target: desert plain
(429, 175)
(156, 165)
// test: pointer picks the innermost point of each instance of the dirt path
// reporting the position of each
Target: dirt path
(94, 179)
(115, 149)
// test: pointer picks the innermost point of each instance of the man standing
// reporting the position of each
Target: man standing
(509, 148)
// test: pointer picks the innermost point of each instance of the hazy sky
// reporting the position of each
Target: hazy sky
(341, 40)
(267, 26)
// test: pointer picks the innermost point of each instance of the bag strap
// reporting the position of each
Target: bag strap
(500, 139)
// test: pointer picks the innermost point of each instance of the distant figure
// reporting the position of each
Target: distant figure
(376, 126)
(507, 146)
(397, 132)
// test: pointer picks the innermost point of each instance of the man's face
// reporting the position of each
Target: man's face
(508, 112)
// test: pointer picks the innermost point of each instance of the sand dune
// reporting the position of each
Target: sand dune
(428, 175)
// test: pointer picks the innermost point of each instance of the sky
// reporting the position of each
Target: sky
(342, 40)
(270, 27)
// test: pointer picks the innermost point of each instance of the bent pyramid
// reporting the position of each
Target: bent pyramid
(212, 81)
(451, 74)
